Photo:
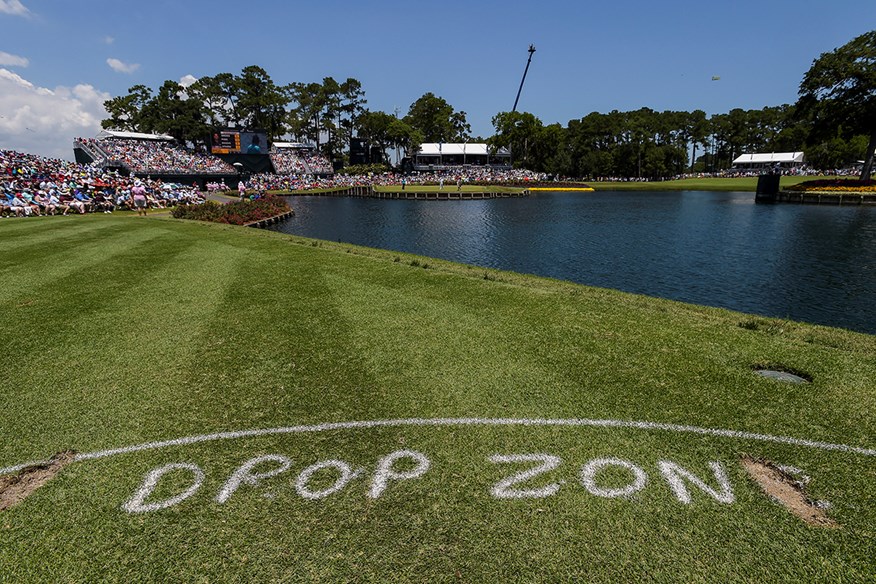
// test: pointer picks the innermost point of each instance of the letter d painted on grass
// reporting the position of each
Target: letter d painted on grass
(137, 503)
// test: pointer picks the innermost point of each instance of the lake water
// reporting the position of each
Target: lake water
(803, 262)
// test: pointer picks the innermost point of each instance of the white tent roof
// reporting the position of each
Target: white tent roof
(132, 135)
(297, 145)
(437, 149)
(772, 157)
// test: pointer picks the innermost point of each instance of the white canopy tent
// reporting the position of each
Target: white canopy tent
(293, 146)
(440, 149)
(433, 155)
(104, 134)
(769, 159)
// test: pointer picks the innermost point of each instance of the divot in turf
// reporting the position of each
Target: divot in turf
(15, 488)
(779, 484)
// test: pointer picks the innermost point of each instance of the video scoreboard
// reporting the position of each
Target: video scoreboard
(237, 142)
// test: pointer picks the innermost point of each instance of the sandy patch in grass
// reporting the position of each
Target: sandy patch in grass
(787, 490)
(15, 488)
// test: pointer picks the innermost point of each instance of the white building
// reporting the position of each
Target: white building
(769, 161)
(439, 156)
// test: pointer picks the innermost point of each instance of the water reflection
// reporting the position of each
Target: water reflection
(807, 263)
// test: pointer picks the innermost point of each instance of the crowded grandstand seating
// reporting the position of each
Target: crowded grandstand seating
(155, 156)
(288, 162)
(318, 163)
(35, 185)
(300, 161)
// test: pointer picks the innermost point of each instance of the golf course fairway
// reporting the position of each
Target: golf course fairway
(240, 405)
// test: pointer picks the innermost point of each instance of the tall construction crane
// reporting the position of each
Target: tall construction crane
(525, 71)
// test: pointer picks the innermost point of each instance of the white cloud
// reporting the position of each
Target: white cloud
(187, 80)
(45, 121)
(109, 40)
(13, 60)
(14, 7)
(122, 67)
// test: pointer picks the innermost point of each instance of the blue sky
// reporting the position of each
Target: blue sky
(59, 60)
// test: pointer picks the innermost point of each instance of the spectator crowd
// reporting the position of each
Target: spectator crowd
(33, 185)
(155, 156)
(288, 162)
(464, 175)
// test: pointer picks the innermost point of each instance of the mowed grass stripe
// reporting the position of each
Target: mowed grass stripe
(477, 366)
(248, 330)
(68, 255)
(34, 232)
(306, 370)
(122, 341)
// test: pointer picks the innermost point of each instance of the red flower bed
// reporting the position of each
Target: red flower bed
(236, 213)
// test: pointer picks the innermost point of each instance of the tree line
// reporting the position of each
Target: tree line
(326, 113)
(650, 144)
(833, 122)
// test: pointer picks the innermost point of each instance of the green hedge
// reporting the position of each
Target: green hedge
(365, 169)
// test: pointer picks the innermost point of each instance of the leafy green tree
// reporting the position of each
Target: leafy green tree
(174, 113)
(260, 102)
(836, 153)
(125, 110)
(521, 133)
(790, 131)
(385, 131)
(306, 118)
(219, 95)
(554, 152)
(373, 127)
(325, 113)
(694, 128)
(838, 93)
(402, 136)
(437, 121)
(349, 104)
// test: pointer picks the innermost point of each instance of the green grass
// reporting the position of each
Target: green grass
(120, 330)
(697, 184)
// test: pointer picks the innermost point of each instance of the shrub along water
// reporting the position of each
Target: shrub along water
(235, 213)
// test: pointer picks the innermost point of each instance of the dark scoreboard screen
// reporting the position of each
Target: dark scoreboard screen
(236, 142)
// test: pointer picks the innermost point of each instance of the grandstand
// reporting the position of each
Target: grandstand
(293, 158)
(440, 156)
(37, 185)
(156, 155)
(146, 154)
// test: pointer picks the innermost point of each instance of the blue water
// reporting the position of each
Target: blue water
(803, 262)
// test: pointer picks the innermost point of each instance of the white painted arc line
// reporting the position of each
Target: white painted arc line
(369, 424)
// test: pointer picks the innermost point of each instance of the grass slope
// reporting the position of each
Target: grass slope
(119, 330)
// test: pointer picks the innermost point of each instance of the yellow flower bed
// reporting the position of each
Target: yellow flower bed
(846, 186)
